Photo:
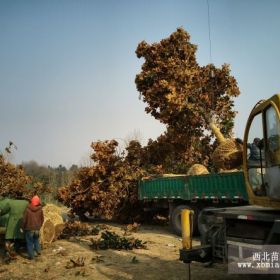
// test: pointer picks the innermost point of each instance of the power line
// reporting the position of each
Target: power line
(209, 32)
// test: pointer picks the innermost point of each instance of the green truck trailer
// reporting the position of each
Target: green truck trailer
(175, 193)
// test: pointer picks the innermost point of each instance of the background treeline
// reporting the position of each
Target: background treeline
(52, 178)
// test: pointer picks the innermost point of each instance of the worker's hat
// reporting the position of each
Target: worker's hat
(35, 200)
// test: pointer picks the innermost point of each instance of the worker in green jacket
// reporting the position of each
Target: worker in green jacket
(3, 223)
(3, 217)
(15, 209)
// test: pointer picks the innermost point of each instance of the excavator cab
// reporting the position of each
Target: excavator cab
(261, 156)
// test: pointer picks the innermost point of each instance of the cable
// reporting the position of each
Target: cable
(209, 32)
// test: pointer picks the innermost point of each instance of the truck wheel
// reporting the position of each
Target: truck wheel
(203, 227)
(205, 220)
(175, 219)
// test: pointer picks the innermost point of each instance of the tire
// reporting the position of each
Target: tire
(203, 227)
(175, 219)
(205, 221)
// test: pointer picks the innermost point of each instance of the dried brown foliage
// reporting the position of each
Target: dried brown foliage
(185, 96)
(77, 228)
(111, 240)
(14, 183)
(109, 187)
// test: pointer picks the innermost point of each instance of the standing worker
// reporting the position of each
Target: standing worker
(32, 222)
(254, 155)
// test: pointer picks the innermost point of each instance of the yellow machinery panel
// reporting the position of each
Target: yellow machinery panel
(265, 118)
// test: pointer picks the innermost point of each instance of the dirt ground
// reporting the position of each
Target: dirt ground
(159, 261)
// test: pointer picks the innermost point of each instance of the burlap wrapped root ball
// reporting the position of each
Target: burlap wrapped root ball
(52, 217)
(47, 232)
(197, 169)
(228, 155)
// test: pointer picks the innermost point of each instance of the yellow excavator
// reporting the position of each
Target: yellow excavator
(228, 231)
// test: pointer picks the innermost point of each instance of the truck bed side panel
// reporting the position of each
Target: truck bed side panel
(210, 186)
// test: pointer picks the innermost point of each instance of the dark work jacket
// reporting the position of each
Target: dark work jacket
(254, 152)
(33, 218)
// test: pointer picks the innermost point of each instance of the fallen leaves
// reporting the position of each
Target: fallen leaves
(79, 262)
(77, 228)
(111, 240)
(134, 260)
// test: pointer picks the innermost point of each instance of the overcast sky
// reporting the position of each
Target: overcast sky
(67, 68)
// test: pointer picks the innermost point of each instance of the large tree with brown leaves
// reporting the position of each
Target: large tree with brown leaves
(184, 95)
(108, 188)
